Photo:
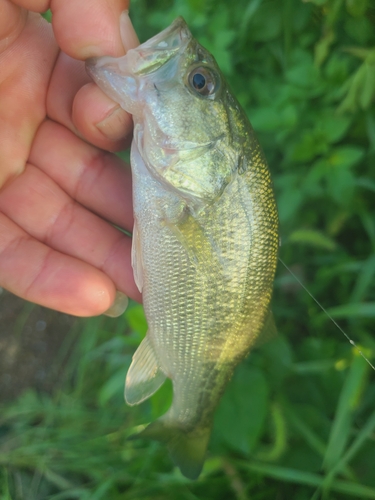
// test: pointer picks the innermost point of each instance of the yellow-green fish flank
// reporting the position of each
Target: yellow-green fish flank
(205, 238)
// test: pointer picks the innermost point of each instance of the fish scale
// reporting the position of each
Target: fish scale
(205, 239)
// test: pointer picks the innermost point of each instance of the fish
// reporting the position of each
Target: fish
(205, 238)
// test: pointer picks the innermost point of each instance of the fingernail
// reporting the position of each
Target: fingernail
(116, 125)
(118, 307)
(128, 35)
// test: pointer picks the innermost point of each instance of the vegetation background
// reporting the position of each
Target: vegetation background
(298, 419)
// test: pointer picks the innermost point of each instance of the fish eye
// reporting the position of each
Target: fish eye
(203, 81)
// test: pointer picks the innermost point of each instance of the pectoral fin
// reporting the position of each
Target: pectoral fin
(137, 258)
(144, 376)
(199, 246)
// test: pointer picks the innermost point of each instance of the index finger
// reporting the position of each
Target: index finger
(82, 29)
(93, 27)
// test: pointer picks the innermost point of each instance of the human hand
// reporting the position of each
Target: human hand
(59, 194)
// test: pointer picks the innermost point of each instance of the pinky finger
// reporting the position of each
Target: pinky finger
(37, 273)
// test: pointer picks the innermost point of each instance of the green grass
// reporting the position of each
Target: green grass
(297, 421)
(284, 427)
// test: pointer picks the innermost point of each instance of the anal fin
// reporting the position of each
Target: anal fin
(144, 376)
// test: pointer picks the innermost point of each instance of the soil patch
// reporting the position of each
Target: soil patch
(31, 337)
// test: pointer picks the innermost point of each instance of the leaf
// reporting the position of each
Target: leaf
(365, 182)
(361, 310)
(265, 119)
(304, 74)
(47, 16)
(317, 2)
(359, 52)
(314, 441)
(364, 280)
(162, 399)
(356, 83)
(311, 237)
(277, 357)
(312, 143)
(368, 89)
(340, 185)
(224, 38)
(356, 8)
(323, 46)
(197, 5)
(360, 29)
(102, 490)
(278, 445)
(250, 10)
(370, 126)
(240, 417)
(289, 202)
(137, 319)
(113, 386)
(346, 156)
(267, 23)
(334, 127)
(368, 224)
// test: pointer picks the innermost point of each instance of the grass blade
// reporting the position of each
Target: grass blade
(360, 310)
(308, 479)
(348, 402)
(364, 433)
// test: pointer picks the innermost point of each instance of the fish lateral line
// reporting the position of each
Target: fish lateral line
(327, 314)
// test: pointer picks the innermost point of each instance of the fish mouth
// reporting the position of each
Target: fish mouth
(149, 56)
(167, 37)
(159, 49)
(119, 78)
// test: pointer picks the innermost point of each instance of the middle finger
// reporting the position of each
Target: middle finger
(98, 180)
(74, 101)
(40, 207)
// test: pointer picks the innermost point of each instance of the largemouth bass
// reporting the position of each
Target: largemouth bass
(205, 237)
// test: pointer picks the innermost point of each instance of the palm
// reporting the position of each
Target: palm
(57, 192)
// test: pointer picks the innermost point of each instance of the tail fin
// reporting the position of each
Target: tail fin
(187, 448)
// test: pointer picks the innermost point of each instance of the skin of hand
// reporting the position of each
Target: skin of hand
(61, 186)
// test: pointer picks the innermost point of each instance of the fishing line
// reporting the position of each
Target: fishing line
(327, 313)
